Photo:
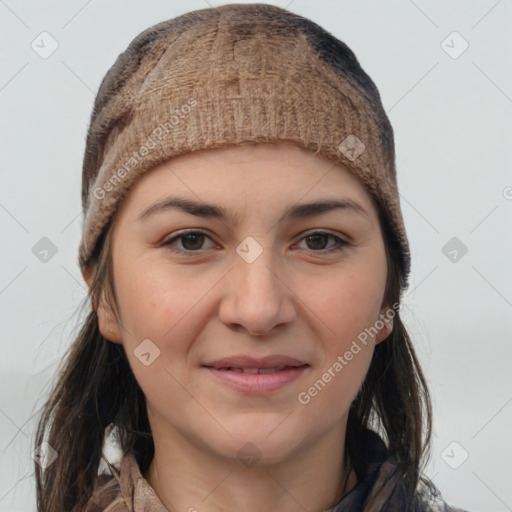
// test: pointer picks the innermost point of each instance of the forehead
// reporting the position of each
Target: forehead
(249, 176)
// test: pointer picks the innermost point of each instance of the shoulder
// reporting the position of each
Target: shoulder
(106, 496)
(380, 483)
(124, 490)
(431, 500)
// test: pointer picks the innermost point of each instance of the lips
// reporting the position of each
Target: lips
(248, 364)
(256, 370)
(256, 376)
(258, 381)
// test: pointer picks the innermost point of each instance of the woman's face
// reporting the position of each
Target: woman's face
(259, 275)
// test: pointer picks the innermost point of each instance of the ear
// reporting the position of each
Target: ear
(385, 325)
(108, 325)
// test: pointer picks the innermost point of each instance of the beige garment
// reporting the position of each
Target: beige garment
(126, 491)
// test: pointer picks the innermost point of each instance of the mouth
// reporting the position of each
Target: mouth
(254, 371)
(257, 381)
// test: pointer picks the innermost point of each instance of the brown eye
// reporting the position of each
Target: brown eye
(317, 241)
(191, 242)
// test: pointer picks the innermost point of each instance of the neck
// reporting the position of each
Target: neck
(185, 477)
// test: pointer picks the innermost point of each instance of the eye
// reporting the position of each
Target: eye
(192, 242)
(318, 240)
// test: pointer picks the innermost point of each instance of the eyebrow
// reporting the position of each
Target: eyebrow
(297, 211)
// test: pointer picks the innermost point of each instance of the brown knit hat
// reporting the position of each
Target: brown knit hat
(227, 75)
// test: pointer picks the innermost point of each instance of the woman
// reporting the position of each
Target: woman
(245, 254)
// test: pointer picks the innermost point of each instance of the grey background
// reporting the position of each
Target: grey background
(452, 124)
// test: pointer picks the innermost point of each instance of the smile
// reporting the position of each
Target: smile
(257, 380)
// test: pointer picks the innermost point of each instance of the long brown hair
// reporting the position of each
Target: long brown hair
(394, 401)
(95, 389)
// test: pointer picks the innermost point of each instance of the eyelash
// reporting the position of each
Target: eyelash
(340, 243)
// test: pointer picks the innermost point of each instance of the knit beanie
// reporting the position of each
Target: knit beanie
(228, 75)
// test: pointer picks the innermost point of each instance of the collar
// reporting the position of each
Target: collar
(138, 495)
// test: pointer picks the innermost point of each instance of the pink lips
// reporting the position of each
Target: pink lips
(257, 376)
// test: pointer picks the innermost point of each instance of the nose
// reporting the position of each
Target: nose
(256, 297)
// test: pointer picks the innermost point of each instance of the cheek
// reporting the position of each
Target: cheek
(347, 304)
(152, 300)
(339, 376)
(165, 307)
(153, 309)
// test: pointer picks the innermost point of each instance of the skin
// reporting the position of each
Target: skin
(303, 301)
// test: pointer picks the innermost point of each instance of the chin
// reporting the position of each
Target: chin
(261, 442)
